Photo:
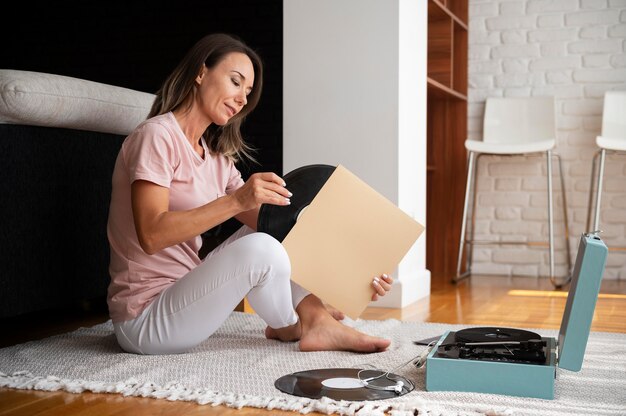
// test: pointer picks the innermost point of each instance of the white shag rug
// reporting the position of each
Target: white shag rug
(237, 367)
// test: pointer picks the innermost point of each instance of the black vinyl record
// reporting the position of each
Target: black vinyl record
(304, 183)
(494, 334)
(341, 384)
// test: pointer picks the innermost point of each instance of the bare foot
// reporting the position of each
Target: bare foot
(322, 332)
(335, 313)
(334, 336)
(286, 334)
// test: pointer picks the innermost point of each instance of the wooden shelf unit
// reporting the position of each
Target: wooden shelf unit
(446, 134)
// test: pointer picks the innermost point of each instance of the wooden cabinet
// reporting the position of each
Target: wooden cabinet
(446, 133)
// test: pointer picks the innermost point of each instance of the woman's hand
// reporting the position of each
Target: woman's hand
(381, 285)
(262, 188)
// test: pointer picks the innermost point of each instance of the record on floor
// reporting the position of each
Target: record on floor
(304, 183)
(344, 384)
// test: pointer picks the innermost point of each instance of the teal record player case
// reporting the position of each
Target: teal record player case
(530, 379)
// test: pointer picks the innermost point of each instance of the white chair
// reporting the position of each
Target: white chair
(513, 127)
(612, 141)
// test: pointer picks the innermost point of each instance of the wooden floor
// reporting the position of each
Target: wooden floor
(498, 301)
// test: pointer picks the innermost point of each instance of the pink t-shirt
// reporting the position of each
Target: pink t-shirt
(158, 151)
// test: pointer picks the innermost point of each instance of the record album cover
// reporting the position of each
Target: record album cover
(348, 234)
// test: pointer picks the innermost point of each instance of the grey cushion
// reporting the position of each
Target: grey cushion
(41, 99)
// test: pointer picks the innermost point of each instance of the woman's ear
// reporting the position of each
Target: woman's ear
(200, 75)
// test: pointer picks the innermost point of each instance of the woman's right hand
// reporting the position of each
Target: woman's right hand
(262, 188)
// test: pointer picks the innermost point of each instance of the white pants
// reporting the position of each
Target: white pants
(185, 314)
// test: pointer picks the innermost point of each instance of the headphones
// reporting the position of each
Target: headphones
(418, 361)
(397, 388)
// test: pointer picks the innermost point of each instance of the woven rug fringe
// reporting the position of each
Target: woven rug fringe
(173, 391)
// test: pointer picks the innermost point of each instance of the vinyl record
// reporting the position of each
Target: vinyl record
(341, 384)
(304, 183)
(494, 334)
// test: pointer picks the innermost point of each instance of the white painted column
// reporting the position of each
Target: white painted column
(354, 93)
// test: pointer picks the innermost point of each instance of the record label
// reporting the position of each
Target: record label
(343, 384)
(304, 183)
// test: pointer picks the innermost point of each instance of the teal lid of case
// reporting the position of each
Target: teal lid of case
(581, 301)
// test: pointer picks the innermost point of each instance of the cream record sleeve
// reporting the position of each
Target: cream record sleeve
(348, 234)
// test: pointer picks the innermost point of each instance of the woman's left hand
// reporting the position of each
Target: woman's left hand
(381, 285)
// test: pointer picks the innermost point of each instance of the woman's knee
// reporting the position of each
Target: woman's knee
(266, 250)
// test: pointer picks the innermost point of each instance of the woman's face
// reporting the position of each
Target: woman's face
(223, 89)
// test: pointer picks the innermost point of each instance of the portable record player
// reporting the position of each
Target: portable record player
(516, 362)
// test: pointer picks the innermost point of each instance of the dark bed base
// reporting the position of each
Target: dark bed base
(54, 202)
(55, 192)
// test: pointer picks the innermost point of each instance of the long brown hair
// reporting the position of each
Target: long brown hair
(179, 85)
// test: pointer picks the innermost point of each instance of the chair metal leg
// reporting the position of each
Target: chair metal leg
(468, 187)
(596, 220)
(593, 209)
(565, 217)
(472, 230)
(550, 217)
(592, 194)
(565, 223)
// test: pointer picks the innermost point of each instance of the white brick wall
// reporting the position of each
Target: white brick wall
(575, 51)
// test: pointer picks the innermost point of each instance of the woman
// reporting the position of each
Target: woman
(175, 178)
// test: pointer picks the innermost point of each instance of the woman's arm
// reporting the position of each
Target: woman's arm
(158, 228)
(249, 218)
